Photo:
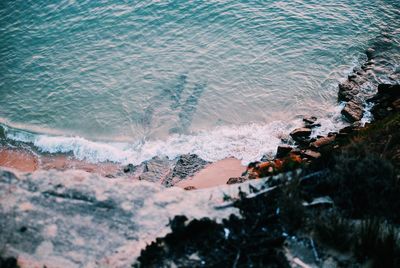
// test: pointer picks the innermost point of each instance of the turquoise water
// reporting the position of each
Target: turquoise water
(118, 81)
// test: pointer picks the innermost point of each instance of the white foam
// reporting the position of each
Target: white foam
(246, 142)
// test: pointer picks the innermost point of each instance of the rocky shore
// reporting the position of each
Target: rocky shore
(335, 203)
(324, 201)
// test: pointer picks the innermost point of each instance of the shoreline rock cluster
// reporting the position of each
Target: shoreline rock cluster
(334, 204)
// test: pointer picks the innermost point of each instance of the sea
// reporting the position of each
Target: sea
(125, 81)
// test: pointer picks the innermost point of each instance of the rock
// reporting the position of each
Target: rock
(353, 111)
(348, 91)
(311, 154)
(370, 53)
(322, 141)
(310, 119)
(186, 166)
(155, 169)
(237, 180)
(388, 89)
(283, 150)
(189, 188)
(300, 133)
(130, 168)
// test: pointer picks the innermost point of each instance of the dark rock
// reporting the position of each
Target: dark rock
(9, 262)
(236, 180)
(388, 89)
(129, 168)
(396, 104)
(353, 111)
(283, 150)
(313, 125)
(310, 119)
(370, 53)
(300, 133)
(347, 130)
(189, 188)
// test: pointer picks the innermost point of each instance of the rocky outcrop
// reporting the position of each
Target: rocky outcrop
(300, 134)
(186, 166)
(353, 111)
(387, 101)
(165, 171)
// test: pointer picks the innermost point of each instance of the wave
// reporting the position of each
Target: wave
(246, 142)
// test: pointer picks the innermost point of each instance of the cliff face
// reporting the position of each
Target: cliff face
(76, 219)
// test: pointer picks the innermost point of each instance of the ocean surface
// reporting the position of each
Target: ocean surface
(125, 81)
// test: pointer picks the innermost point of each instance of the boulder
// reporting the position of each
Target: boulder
(322, 142)
(300, 133)
(370, 53)
(186, 166)
(283, 150)
(130, 168)
(155, 169)
(353, 111)
(348, 91)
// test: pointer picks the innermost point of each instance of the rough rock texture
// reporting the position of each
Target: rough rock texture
(76, 219)
(323, 141)
(237, 180)
(156, 169)
(348, 91)
(186, 166)
(353, 111)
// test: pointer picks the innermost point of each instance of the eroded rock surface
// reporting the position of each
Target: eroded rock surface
(76, 219)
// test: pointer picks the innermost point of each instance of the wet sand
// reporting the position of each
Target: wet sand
(215, 174)
(26, 161)
(21, 160)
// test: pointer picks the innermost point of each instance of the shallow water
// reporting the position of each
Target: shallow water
(125, 82)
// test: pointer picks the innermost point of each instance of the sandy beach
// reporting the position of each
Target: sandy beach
(215, 174)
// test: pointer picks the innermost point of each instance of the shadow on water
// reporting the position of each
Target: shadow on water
(188, 109)
(171, 96)
(171, 92)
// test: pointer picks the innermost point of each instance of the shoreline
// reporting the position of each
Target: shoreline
(297, 147)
